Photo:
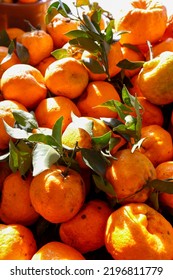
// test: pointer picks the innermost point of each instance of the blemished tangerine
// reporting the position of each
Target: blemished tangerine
(136, 231)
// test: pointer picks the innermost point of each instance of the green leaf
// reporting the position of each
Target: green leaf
(94, 160)
(127, 98)
(90, 26)
(42, 138)
(101, 141)
(109, 33)
(86, 44)
(4, 38)
(76, 34)
(130, 65)
(55, 8)
(16, 133)
(93, 65)
(154, 199)
(103, 185)
(43, 157)
(22, 53)
(19, 157)
(113, 142)
(57, 132)
(165, 186)
(25, 119)
(60, 53)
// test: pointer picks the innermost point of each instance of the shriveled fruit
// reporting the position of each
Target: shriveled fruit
(129, 173)
(138, 232)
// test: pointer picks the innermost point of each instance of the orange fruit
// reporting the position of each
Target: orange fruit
(134, 56)
(144, 20)
(42, 65)
(58, 27)
(38, 43)
(164, 171)
(55, 250)
(155, 81)
(14, 32)
(151, 113)
(169, 28)
(85, 232)
(17, 242)
(158, 48)
(66, 77)
(93, 96)
(128, 174)
(138, 232)
(6, 108)
(7, 60)
(15, 206)
(114, 55)
(25, 84)
(57, 196)
(4, 172)
(157, 145)
(49, 110)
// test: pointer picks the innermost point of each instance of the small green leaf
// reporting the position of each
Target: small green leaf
(76, 34)
(130, 65)
(42, 138)
(101, 141)
(93, 65)
(89, 24)
(4, 38)
(86, 44)
(43, 157)
(22, 53)
(25, 157)
(103, 185)
(154, 199)
(25, 119)
(113, 142)
(16, 133)
(57, 132)
(13, 157)
(165, 186)
(94, 160)
(60, 53)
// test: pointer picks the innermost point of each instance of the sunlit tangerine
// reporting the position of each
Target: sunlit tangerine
(49, 110)
(164, 171)
(155, 79)
(25, 84)
(6, 108)
(128, 173)
(114, 55)
(136, 231)
(38, 43)
(15, 206)
(58, 27)
(85, 232)
(96, 93)
(144, 20)
(55, 250)
(57, 194)
(7, 60)
(66, 77)
(157, 144)
(17, 242)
